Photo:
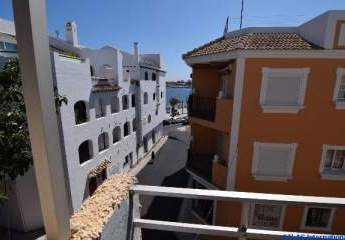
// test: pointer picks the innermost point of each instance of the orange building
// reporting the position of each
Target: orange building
(268, 115)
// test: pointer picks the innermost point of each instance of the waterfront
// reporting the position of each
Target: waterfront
(179, 93)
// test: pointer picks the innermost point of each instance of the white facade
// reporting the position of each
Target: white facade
(105, 91)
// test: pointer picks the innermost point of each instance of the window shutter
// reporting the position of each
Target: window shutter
(273, 160)
(341, 91)
(284, 91)
(341, 41)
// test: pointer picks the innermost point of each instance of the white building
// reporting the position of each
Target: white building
(116, 105)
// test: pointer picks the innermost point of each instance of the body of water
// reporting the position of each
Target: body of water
(179, 93)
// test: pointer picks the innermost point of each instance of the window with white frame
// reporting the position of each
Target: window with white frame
(318, 218)
(341, 40)
(273, 161)
(266, 216)
(339, 91)
(333, 161)
(283, 89)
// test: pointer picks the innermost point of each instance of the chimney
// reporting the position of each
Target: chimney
(71, 32)
(136, 51)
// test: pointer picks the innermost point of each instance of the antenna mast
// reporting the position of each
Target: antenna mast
(242, 3)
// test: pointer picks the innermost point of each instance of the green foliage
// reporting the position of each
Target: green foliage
(173, 102)
(3, 198)
(15, 150)
(15, 153)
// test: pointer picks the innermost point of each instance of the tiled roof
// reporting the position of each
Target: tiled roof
(253, 41)
(104, 85)
(99, 168)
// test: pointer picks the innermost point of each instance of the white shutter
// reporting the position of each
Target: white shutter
(283, 91)
(273, 160)
(341, 41)
(341, 91)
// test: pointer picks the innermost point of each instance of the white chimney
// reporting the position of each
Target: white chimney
(136, 51)
(71, 32)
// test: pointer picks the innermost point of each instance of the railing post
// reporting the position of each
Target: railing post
(36, 72)
(245, 217)
(135, 209)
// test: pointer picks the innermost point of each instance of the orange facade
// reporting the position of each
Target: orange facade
(318, 123)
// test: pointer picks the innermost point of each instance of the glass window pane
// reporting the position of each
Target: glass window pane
(329, 158)
(318, 217)
(339, 159)
(2, 45)
(266, 215)
(10, 46)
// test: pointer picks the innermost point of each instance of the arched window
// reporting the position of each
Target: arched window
(134, 124)
(149, 118)
(92, 71)
(115, 104)
(126, 129)
(154, 96)
(146, 76)
(103, 141)
(153, 76)
(133, 100)
(146, 98)
(80, 112)
(153, 136)
(99, 108)
(85, 151)
(125, 102)
(116, 134)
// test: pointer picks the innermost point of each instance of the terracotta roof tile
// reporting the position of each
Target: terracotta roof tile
(253, 41)
(104, 85)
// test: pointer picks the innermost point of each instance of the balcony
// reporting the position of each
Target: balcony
(203, 107)
(213, 113)
(200, 165)
(245, 198)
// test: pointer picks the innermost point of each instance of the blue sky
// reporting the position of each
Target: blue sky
(170, 27)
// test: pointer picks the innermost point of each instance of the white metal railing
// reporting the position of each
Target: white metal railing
(244, 197)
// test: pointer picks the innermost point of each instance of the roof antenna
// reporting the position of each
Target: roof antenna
(226, 26)
(242, 3)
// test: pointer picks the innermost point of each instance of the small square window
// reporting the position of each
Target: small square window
(266, 216)
(318, 218)
(283, 90)
(333, 162)
(273, 161)
(341, 40)
(339, 91)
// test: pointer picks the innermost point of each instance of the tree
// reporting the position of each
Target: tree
(173, 102)
(15, 153)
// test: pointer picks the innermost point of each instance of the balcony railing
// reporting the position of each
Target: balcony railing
(203, 107)
(243, 197)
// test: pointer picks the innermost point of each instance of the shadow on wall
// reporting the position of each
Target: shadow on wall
(166, 208)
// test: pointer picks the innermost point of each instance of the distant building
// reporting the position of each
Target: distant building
(116, 105)
(268, 116)
(8, 44)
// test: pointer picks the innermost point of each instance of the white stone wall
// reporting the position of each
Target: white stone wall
(73, 79)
